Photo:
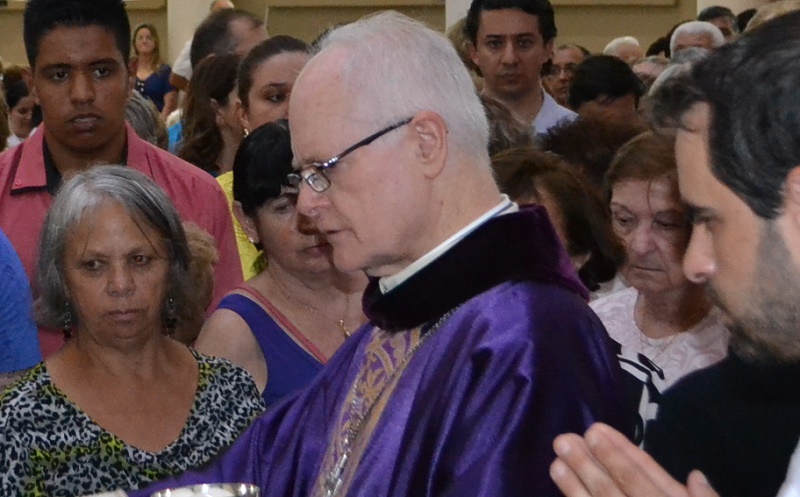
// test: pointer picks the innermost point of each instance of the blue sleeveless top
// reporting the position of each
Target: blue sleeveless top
(289, 366)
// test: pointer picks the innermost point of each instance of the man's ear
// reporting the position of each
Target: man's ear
(431, 134)
(473, 53)
(548, 48)
(27, 75)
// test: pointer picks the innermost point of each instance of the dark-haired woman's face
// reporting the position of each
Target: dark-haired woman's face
(289, 238)
(273, 79)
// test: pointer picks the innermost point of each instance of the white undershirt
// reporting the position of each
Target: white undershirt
(388, 283)
(791, 486)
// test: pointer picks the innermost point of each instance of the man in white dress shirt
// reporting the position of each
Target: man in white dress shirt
(510, 42)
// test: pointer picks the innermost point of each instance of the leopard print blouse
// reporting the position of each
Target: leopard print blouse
(50, 447)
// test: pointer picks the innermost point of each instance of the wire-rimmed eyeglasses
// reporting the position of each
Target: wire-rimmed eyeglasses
(313, 174)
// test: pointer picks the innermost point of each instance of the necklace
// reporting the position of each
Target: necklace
(360, 409)
(345, 331)
(339, 322)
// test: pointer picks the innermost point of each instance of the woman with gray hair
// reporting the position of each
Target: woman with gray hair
(122, 403)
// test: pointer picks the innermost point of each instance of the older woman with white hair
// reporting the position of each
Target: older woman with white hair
(662, 316)
(122, 403)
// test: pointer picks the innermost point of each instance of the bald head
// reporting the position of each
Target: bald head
(218, 5)
(225, 32)
(389, 54)
(388, 134)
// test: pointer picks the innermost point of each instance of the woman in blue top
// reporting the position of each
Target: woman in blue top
(152, 75)
(283, 324)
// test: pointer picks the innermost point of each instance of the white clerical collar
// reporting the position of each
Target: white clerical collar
(388, 283)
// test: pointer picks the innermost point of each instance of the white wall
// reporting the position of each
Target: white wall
(183, 16)
(735, 5)
(455, 10)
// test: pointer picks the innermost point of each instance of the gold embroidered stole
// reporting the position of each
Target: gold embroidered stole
(385, 358)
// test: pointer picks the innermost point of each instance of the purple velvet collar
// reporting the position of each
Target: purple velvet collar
(522, 246)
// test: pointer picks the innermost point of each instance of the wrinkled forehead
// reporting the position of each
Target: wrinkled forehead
(322, 107)
(320, 79)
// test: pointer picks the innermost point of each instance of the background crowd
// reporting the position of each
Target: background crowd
(153, 244)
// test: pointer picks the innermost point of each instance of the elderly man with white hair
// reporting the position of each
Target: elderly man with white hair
(480, 346)
(626, 48)
(700, 34)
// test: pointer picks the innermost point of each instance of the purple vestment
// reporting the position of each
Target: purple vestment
(520, 360)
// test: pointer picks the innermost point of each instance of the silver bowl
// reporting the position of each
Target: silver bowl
(211, 490)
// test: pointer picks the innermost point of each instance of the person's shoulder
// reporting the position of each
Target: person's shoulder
(8, 256)
(567, 115)
(225, 180)
(224, 376)
(615, 302)
(626, 294)
(182, 65)
(11, 269)
(218, 367)
(166, 167)
(551, 115)
(545, 296)
(530, 309)
(688, 411)
(162, 160)
(550, 106)
(8, 158)
(228, 387)
(22, 400)
(7, 155)
(699, 387)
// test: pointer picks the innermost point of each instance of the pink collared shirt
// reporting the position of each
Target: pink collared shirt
(24, 201)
